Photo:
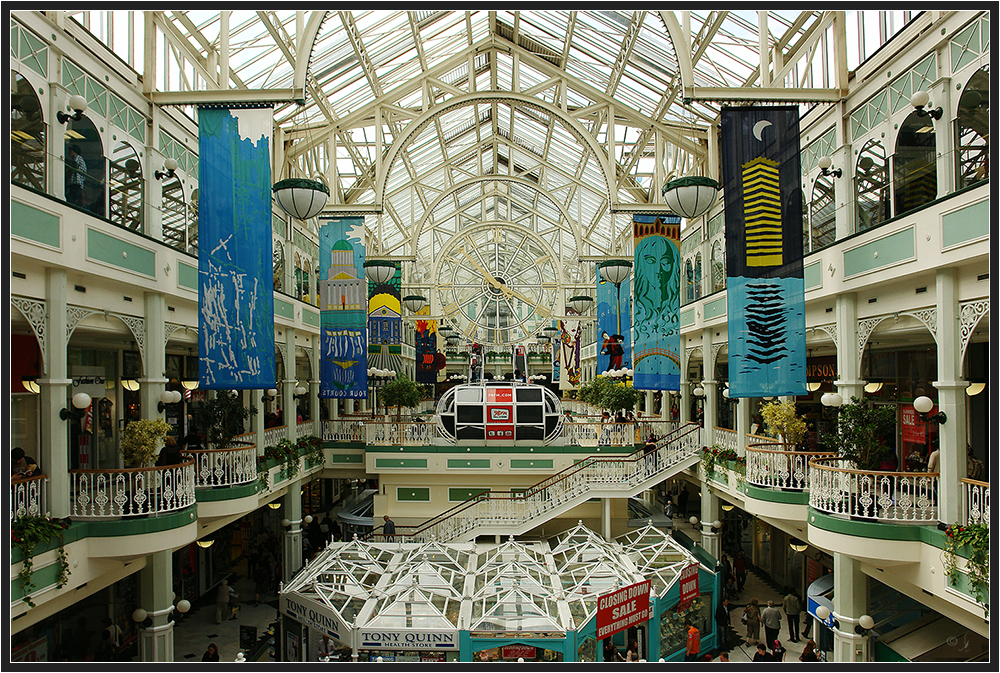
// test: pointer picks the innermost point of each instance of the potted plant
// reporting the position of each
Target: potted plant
(401, 393)
(141, 441)
(221, 418)
(781, 421)
(972, 540)
(861, 426)
(28, 531)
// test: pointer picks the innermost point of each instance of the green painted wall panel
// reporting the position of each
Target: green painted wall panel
(966, 224)
(42, 577)
(413, 495)
(34, 224)
(124, 255)
(687, 317)
(516, 464)
(812, 277)
(310, 318)
(715, 308)
(881, 252)
(472, 464)
(463, 494)
(284, 309)
(187, 275)
(401, 462)
(347, 459)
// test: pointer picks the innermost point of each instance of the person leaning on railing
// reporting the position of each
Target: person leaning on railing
(22, 465)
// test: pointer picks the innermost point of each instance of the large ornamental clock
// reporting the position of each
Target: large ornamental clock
(497, 284)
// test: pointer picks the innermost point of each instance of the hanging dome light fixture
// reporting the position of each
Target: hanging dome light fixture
(690, 196)
(301, 198)
(414, 302)
(581, 303)
(379, 271)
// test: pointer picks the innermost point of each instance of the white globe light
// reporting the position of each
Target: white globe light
(866, 622)
(716, 524)
(308, 518)
(177, 396)
(170, 164)
(183, 606)
(699, 391)
(139, 615)
(81, 400)
(167, 397)
(824, 162)
(77, 102)
(725, 393)
(823, 613)
(923, 404)
(919, 99)
(272, 392)
(693, 521)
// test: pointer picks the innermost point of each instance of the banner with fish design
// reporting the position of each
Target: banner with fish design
(235, 275)
(343, 366)
(764, 284)
(657, 287)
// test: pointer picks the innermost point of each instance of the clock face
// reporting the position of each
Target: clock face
(497, 284)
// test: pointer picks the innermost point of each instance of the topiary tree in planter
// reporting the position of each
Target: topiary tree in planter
(401, 393)
(782, 422)
(221, 418)
(861, 426)
(141, 440)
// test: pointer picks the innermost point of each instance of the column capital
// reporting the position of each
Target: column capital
(950, 385)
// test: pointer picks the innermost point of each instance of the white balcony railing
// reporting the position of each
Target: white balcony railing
(975, 502)
(726, 438)
(343, 430)
(225, 467)
(27, 496)
(901, 497)
(388, 433)
(770, 466)
(107, 494)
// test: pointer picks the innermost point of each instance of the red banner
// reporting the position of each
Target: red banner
(525, 652)
(622, 608)
(500, 413)
(914, 430)
(689, 584)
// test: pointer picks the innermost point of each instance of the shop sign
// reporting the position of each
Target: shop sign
(313, 616)
(517, 652)
(622, 608)
(914, 430)
(34, 651)
(689, 584)
(395, 639)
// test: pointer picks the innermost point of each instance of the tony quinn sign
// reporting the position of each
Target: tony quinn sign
(622, 608)
(408, 639)
(312, 615)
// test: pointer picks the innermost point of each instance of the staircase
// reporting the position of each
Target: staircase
(515, 513)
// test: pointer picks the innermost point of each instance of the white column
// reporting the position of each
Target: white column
(850, 601)
(709, 513)
(848, 366)
(156, 597)
(742, 424)
(606, 518)
(154, 355)
(951, 398)
(55, 451)
(288, 405)
(291, 558)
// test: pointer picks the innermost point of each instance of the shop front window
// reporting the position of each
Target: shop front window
(125, 188)
(27, 136)
(872, 186)
(915, 163)
(822, 214)
(972, 130)
(673, 632)
(84, 166)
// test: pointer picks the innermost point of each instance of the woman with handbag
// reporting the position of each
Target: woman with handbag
(751, 618)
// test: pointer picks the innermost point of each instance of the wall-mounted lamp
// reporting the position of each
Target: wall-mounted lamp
(698, 391)
(205, 543)
(170, 165)
(274, 505)
(831, 400)
(873, 387)
(972, 390)
(919, 101)
(923, 405)
(31, 385)
(142, 618)
(78, 104)
(716, 525)
(80, 402)
(269, 395)
(168, 397)
(798, 545)
(731, 400)
(727, 507)
(300, 391)
(693, 521)
(813, 386)
(824, 164)
(862, 625)
(190, 384)
(131, 385)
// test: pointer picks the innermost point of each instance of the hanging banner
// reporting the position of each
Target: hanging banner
(688, 585)
(764, 284)
(343, 366)
(385, 324)
(556, 347)
(235, 267)
(622, 609)
(426, 348)
(569, 351)
(657, 288)
(614, 325)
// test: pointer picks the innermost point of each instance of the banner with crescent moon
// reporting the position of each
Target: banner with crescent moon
(385, 323)
(235, 273)
(657, 287)
(761, 180)
(343, 292)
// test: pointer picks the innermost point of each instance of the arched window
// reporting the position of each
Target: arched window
(871, 179)
(718, 266)
(822, 211)
(27, 136)
(914, 169)
(193, 223)
(688, 281)
(125, 186)
(973, 130)
(278, 260)
(83, 153)
(174, 215)
(697, 276)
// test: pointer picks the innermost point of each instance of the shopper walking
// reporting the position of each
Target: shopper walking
(777, 651)
(723, 621)
(740, 570)
(751, 618)
(211, 654)
(222, 601)
(762, 654)
(771, 618)
(809, 652)
(792, 607)
(693, 642)
(682, 501)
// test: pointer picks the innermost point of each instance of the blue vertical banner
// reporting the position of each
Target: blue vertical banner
(614, 325)
(657, 289)
(385, 323)
(426, 348)
(343, 362)
(235, 272)
(764, 283)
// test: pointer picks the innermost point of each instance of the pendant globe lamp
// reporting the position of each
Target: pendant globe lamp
(690, 196)
(379, 271)
(414, 302)
(301, 198)
(581, 303)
